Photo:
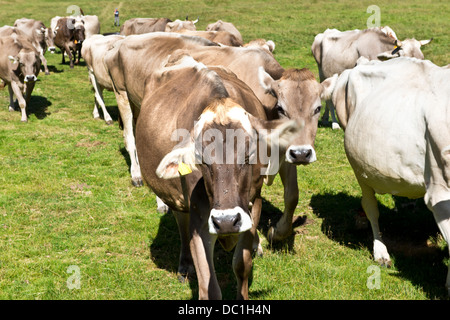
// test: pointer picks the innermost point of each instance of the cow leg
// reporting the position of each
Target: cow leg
(334, 124)
(370, 206)
(242, 258)
(288, 174)
(22, 103)
(186, 265)
(11, 98)
(44, 62)
(98, 93)
(326, 113)
(441, 212)
(128, 134)
(69, 53)
(161, 206)
(202, 246)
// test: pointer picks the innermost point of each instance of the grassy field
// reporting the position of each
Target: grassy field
(66, 201)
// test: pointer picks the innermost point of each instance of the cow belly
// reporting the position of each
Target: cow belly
(387, 150)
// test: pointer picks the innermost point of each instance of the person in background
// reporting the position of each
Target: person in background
(116, 18)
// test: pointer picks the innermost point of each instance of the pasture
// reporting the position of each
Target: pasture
(67, 206)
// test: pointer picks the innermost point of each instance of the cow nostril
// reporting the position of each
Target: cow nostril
(237, 220)
(215, 223)
(307, 154)
(293, 154)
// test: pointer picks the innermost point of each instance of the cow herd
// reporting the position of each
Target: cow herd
(207, 120)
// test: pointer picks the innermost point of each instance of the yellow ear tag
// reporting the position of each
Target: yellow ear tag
(76, 41)
(395, 47)
(183, 169)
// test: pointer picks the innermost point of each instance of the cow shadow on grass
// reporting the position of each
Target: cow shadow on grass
(165, 250)
(408, 232)
(38, 106)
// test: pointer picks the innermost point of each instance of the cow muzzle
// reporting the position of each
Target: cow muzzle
(304, 154)
(229, 221)
(31, 78)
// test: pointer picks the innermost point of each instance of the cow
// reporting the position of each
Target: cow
(19, 67)
(128, 62)
(69, 38)
(146, 25)
(220, 25)
(210, 200)
(43, 38)
(36, 40)
(222, 37)
(93, 50)
(91, 25)
(285, 94)
(397, 136)
(335, 51)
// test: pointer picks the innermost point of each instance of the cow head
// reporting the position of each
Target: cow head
(298, 96)
(78, 32)
(27, 65)
(223, 146)
(405, 48)
(50, 39)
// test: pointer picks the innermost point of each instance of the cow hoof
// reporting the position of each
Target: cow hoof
(137, 182)
(273, 235)
(183, 278)
(109, 122)
(47, 73)
(385, 262)
(163, 209)
(335, 126)
(11, 109)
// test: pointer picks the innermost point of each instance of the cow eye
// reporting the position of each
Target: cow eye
(317, 110)
(281, 110)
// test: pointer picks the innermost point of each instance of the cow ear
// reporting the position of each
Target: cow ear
(425, 42)
(387, 55)
(266, 81)
(12, 59)
(328, 87)
(180, 161)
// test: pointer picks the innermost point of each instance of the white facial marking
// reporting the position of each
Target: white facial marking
(246, 221)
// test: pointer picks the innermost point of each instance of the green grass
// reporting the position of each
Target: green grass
(66, 197)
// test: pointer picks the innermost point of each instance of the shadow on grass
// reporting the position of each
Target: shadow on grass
(406, 232)
(38, 106)
(165, 250)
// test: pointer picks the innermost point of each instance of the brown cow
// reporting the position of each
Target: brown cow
(295, 95)
(43, 37)
(69, 38)
(291, 94)
(19, 68)
(212, 202)
(129, 62)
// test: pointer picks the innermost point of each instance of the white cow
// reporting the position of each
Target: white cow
(93, 50)
(336, 51)
(397, 136)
